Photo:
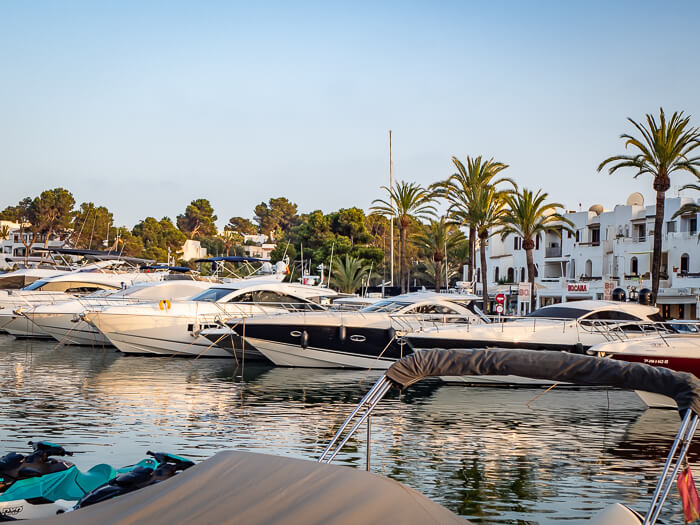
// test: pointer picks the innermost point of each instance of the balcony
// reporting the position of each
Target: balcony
(552, 251)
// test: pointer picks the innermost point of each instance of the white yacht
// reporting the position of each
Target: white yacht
(89, 279)
(361, 339)
(174, 328)
(571, 327)
(677, 351)
(65, 321)
(18, 279)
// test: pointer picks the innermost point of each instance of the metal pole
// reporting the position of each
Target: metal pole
(369, 437)
(391, 200)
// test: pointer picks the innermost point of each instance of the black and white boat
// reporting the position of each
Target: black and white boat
(368, 338)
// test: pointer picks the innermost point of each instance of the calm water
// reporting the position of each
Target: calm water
(481, 452)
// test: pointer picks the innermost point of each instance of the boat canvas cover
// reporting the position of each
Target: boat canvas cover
(556, 366)
(250, 488)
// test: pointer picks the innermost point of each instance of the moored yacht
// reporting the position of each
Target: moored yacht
(174, 328)
(677, 351)
(368, 338)
(65, 321)
(571, 327)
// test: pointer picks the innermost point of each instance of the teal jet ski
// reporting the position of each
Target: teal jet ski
(40, 485)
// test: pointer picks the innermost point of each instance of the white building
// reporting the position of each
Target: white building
(193, 250)
(13, 246)
(612, 246)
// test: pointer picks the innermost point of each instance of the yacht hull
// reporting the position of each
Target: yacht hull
(68, 329)
(20, 326)
(232, 343)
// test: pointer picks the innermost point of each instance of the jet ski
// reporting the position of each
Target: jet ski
(167, 465)
(40, 485)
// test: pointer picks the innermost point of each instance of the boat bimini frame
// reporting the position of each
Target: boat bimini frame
(556, 366)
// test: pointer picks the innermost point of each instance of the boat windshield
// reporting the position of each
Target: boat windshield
(559, 312)
(386, 306)
(36, 285)
(212, 295)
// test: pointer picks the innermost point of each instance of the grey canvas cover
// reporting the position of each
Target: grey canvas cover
(249, 488)
(556, 366)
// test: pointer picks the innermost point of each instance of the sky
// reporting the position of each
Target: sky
(143, 106)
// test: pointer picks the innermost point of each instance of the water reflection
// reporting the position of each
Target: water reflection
(484, 453)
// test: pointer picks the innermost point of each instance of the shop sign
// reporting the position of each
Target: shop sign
(577, 287)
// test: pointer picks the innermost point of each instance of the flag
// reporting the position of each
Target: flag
(689, 495)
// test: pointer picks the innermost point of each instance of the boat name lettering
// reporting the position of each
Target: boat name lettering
(11, 510)
(656, 361)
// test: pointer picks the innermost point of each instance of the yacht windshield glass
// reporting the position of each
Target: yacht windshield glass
(36, 285)
(212, 295)
(559, 312)
(386, 306)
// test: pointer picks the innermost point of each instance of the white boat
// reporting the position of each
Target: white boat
(679, 352)
(368, 338)
(65, 321)
(67, 286)
(571, 327)
(175, 328)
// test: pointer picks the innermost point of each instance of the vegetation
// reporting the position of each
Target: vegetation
(349, 273)
(407, 202)
(528, 215)
(663, 149)
(437, 237)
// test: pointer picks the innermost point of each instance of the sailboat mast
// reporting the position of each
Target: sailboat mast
(391, 223)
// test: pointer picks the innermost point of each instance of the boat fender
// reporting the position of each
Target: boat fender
(390, 332)
(165, 304)
(304, 339)
(578, 349)
(342, 333)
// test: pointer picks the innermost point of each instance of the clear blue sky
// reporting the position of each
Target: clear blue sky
(144, 106)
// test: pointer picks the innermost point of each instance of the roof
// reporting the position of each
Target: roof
(244, 487)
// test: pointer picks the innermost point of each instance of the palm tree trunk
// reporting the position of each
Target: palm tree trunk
(438, 275)
(402, 259)
(658, 237)
(472, 251)
(485, 293)
(531, 277)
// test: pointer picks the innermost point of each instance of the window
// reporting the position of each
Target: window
(68, 286)
(495, 274)
(212, 295)
(559, 312)
(522, 274)
(537, 242)
(671, 227)
(515, 243)
(511, 275)
(685, 263)
(385, 306)
(432, 309)
(578, 236)
(589, 268)
(634, 266)
(595, 236)
(612, 315)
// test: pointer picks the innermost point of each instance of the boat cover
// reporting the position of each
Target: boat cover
(552, 365)
(250, 488)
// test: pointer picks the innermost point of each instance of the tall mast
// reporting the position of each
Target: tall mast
(391, 189)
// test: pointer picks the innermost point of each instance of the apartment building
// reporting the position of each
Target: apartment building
(612, 247)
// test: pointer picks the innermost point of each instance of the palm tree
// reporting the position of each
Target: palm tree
(348, 273)
(664, 149)
(691, 207)
(459, 190)
(429, 271)
(437, 238)
(527, 216)
(406, 201)
(488, 207)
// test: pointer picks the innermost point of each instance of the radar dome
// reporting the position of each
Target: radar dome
(636, 199)
(596, 208)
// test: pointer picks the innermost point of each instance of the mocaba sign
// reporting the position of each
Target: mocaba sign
(578, 287)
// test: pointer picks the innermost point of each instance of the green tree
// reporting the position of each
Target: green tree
(126, 243)
(406, 201)
(198, 221)
(460, 190)
(350, 222)
(158, 237)
(241, 225)
(663, 149)
(91, 225)
(528, 215)
(436, 238)
(348, 273)
(52, 212)
(488, 206)
(11, 213)
(279, 216)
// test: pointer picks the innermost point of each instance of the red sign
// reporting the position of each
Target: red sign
(499, 308)
(577, 287)
(500, 298)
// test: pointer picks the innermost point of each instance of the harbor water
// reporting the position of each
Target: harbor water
(490, 455)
